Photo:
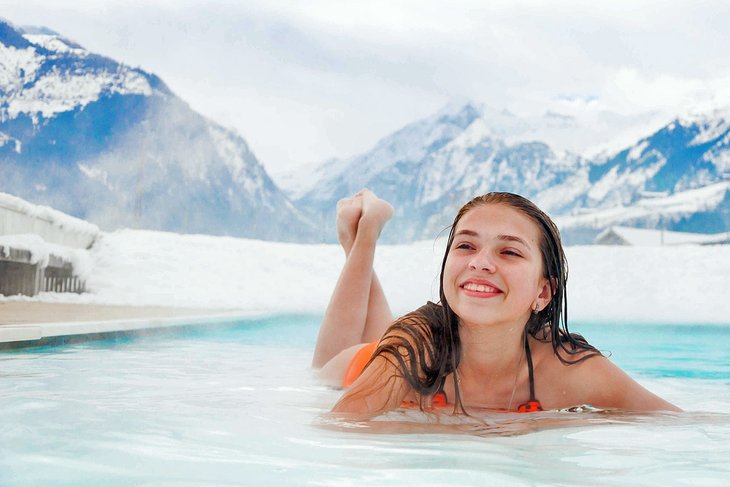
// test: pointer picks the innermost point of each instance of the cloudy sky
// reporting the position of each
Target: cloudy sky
(304, 81)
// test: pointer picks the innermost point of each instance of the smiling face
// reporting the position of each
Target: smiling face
(493, 272)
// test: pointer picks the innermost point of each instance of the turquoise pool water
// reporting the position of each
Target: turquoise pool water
(238, 405)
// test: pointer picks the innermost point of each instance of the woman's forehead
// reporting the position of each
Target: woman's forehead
(498, 219)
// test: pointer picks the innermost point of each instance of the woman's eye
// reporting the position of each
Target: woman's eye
(464, 246)
(511, 252)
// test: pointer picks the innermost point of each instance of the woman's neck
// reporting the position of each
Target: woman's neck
(490, 350)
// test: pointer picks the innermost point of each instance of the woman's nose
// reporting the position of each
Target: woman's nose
(482, 261)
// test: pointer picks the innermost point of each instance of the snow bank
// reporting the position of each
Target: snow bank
(135, 267)
(678, 284)
(685, 284)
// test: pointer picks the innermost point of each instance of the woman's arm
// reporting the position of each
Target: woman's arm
(380, 388)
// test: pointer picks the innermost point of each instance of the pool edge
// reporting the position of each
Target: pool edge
(28, 335)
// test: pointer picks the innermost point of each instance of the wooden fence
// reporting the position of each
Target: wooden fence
(19, 275)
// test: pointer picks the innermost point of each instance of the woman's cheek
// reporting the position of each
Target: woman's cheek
(449, 282)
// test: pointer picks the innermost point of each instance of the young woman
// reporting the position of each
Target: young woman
(498, 339)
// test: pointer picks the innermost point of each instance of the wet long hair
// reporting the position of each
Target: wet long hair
(425, 344)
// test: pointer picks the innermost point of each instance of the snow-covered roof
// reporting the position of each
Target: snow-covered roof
(618, 235)
(18, 217)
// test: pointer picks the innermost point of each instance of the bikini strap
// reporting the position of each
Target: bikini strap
(533, 405)
(529, 368)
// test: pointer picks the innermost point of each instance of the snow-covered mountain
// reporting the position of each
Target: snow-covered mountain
(429, 168)
(432, 166)
(112, 144)
(677, 178)
(691, 152)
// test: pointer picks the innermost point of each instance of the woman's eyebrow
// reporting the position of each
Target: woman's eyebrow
(470, 233)
(514, 238)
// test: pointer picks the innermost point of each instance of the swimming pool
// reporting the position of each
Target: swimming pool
(238, 405)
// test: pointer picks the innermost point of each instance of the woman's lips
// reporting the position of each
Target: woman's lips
(480, 289)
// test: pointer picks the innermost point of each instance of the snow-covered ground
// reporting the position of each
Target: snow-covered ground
(678, 284)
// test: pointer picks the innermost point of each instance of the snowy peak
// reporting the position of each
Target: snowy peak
(457, 113)
(688, 153)
(415, 140)
(12, 36)
(53, 42)
(43, 74)
(394, 153)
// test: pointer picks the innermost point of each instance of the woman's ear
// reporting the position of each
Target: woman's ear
(546, 292)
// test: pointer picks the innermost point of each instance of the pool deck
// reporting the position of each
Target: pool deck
(31, 321)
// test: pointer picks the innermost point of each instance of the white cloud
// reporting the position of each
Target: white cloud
(633, 91)
(310, 80)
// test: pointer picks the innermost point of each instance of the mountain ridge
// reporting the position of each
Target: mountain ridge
(113, 144)
(429, 182)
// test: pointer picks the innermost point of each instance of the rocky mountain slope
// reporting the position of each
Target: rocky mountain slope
(432, 166)
(114, 145)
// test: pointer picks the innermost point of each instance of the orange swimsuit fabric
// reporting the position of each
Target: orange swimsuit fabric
(362, 357)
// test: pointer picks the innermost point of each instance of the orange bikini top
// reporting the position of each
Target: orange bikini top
(439, 400)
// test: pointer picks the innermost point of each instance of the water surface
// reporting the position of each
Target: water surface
(238, 405)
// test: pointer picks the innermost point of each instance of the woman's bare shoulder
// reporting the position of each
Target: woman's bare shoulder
(561, 355)
(592, 379)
